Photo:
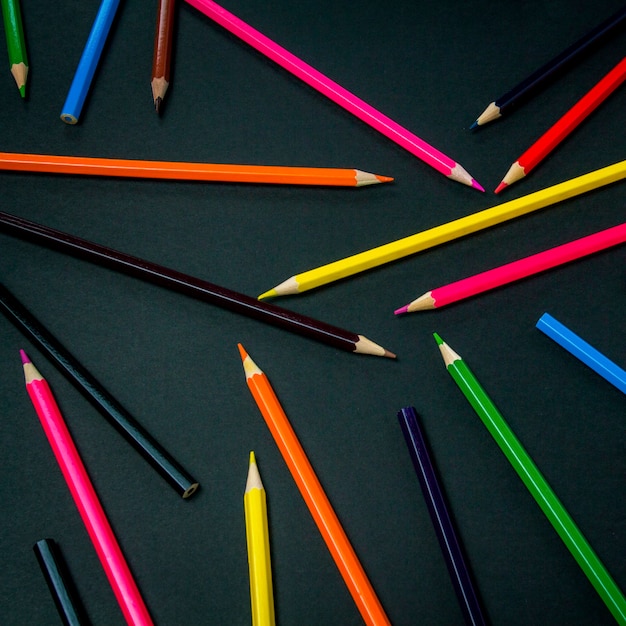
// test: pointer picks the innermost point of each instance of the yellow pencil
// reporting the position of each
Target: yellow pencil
(447, 232)
(257, 538)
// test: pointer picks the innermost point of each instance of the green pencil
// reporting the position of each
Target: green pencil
(16, 43)
(535, 482)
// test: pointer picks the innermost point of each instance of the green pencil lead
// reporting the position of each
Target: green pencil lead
(438, 339)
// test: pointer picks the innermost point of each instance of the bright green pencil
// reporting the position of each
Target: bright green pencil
(16, 43)
(535, 482)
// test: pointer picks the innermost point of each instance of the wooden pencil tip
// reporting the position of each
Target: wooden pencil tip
(25, 358)
(500, 187)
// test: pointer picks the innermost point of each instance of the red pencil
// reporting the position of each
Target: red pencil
(559, 131)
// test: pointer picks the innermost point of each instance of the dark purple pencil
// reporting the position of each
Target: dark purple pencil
(438, 509)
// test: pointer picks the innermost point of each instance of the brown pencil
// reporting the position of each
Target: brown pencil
(162, 58)
(191, 286)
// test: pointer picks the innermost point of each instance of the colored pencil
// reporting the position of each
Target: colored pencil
(535, 482)
(313, 493)
(517, 270)
(85, 497)
(564, 126)
(60, 583)
(162, 57)
(324, 85)
(90, 57)
(16, 43)
(582, 350)
(134, 433)
(528, 87)
(446, 232)
(176, 170)
(191, 286)
(440, 516)
(258, 543)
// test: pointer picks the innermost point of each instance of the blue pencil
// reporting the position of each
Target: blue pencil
(438, 510)
(583, 351)
(89, 61)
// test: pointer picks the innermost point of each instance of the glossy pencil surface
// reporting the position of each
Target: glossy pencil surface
(62, 588)
(191, 286)
(88, 62)
(366, 113)
(540, 149)
(258, 544)
(162, 57)
(85, 497)
(582, 350)
(313, 494)
(136, 435)
(16, 43)
(535, 482)
(539, 78)
(517, 270)
(447, 535)
(179, 170)
(447, 232)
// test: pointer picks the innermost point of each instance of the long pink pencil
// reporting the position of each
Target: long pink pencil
(403, 137)
(516, 270)
(85, 497)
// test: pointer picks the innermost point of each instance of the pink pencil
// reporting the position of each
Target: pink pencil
(516, 270)
(403, 137)
(85, 497)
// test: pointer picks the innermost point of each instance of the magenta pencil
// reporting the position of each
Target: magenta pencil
(517, 270)
(87, 502)
(366, 113)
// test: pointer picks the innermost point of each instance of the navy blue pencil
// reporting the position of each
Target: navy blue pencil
(444, 527)
(89, 61)
(524, 90)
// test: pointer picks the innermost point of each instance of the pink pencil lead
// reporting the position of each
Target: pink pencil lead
(477, 185)
(401, 310)
(25, 358)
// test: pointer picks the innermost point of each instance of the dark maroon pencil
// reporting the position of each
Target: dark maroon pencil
(438, 509)
(190, 286)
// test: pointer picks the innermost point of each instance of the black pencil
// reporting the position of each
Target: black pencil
(115, 414)
(60, 583)
(191, 286)
(533, 83)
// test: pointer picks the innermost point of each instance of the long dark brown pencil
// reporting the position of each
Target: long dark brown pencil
(191, 286)
(161, 60)
(87, 384)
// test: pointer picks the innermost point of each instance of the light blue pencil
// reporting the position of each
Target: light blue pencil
(582, 350)
(89, 61)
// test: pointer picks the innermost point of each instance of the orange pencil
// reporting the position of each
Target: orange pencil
(316, 500)
(269, 174)
(564, 126)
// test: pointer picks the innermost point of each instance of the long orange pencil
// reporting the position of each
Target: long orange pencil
(316, 500)
(175, 170)
(162, 56)
(564, 126)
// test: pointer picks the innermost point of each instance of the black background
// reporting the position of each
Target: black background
(173, 362)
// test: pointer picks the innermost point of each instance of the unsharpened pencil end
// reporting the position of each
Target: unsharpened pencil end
(500, 187)
(402, 310)
(25, 358)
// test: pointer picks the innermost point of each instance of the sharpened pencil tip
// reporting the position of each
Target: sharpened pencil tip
(438, 339)
(477, 185)
(500, 187)
(157, 105)
(389, 355)
(25, 358)
(242, 352)
(384, 179)
(474, 125)
(268, 294)
(252, 460)
(402, 310)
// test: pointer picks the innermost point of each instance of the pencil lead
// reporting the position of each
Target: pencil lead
(438, 339)
(474, 125)
(402, 310)
(157, 105)
(252, 458)
(477, 185)
(242, 352)
(25, 358)
(500, 187)
(268, 294)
